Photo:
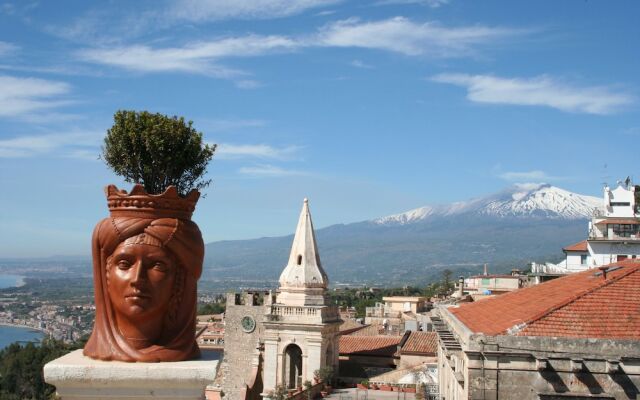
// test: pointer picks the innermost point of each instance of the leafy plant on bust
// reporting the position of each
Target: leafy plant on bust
(157, 151)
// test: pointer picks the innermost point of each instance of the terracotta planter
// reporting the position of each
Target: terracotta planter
(140, 224)
(385, 388)
(374, 386)
(363, 387)
(395, 388)
(410, 390)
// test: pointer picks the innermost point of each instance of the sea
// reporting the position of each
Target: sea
(10, 334)
(10, 280)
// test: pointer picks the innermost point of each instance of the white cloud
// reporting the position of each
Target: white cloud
(395, 34)
(428, 3)
(528, 176)
(360, 64)
(223, 125)
(248, 84)
(404, 36)
(78, 144)
(84, 154)
(268, 171)
(212, 10)
(6, 48)
(325, 13)
(200, 57)
(228, 151)
(538, 91)
(22, 96)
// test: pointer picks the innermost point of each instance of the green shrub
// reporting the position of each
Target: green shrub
(157, 151)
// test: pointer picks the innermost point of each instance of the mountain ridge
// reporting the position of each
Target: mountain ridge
(507, 229)
(530, 200)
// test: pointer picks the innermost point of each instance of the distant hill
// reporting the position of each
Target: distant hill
(507, 229)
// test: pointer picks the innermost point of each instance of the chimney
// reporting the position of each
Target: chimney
(485, 270)
(604, 269)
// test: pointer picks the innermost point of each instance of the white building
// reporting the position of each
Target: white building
(613, 235)
(301, 326)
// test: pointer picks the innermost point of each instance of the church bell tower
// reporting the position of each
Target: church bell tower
(301, 326)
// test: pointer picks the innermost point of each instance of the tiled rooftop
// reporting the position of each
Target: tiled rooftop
(580, 246)
(578, 305)
(349, 326)
(369, 345)
(368, 330)
(421, 342)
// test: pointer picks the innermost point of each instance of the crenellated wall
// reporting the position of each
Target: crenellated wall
(241, 347)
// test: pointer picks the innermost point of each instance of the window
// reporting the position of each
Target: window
(300, 259)
(624, 230)
(583, 259)
(620, 204)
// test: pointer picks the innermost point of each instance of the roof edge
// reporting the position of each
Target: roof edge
(565, 303)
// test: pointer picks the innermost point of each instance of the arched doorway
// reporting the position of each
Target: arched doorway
(292, 367)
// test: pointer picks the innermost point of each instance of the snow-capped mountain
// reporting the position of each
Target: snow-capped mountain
(522, 200)
(506, 230)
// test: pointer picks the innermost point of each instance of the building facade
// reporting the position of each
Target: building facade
(613, 235)
(280, 338)
(301, 326)
(575, 337)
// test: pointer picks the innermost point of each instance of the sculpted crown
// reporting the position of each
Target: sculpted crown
(138, 203)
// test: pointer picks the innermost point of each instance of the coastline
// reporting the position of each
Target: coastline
(10, 324)
(18, 281)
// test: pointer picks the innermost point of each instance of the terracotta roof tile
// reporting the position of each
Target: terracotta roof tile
(580, 246)
(578, 305)
(349, 326)
(421, 342)
(368, 330)
(369, 345)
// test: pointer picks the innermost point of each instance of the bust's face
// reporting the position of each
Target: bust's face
(141, 280)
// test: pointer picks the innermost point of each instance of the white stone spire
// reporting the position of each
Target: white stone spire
(303, 281)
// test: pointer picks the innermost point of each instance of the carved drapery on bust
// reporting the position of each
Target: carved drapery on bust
(147, 259)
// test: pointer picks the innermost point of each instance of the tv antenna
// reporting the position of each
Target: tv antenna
(605, 177)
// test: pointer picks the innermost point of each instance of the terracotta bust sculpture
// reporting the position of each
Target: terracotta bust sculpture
(147, 258)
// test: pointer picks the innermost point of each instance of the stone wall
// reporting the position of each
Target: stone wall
(526, 367)
(240, 347)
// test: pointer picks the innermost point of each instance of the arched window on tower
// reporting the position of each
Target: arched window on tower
(299, 259)
(293, 367)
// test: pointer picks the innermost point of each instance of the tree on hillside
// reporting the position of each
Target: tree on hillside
(447, 285)
(21, 369)
(157, 151)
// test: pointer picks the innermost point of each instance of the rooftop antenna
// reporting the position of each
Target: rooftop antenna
(627, 182)
(605, 177)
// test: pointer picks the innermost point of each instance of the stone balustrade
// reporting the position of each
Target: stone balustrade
(320, 313)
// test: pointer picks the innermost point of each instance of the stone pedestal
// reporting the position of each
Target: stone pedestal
(78, 377)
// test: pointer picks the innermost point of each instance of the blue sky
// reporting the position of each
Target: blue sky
(366, 107)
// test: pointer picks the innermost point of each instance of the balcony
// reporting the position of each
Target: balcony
(318, 314)
(596, 236)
